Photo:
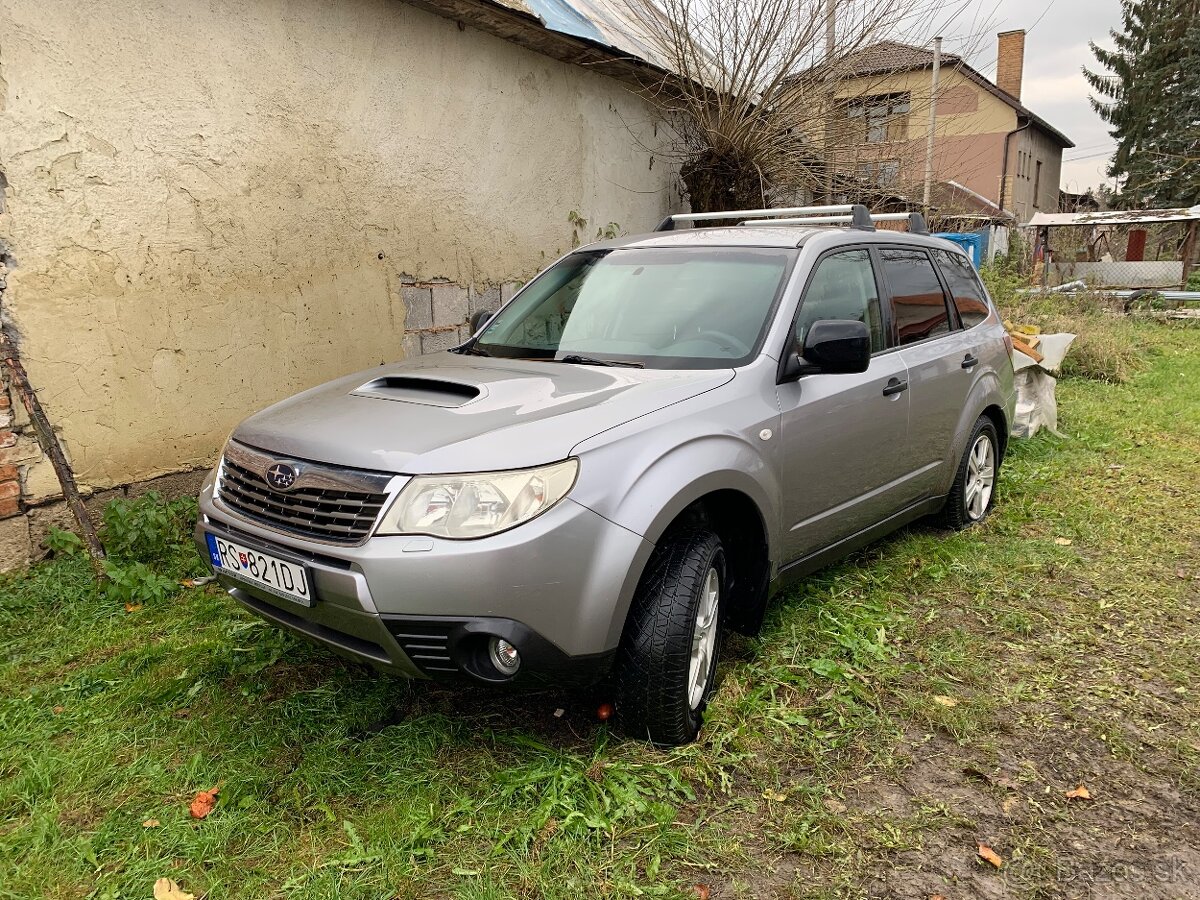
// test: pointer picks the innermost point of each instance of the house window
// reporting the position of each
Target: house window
(883, 173)
(1037, 183)
(878, 120)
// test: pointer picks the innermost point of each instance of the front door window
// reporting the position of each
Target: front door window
(843, 287)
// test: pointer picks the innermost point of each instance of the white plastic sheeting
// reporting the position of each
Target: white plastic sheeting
(1037, 407)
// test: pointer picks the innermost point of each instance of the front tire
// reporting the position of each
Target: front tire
(667, 661)
(974, 492)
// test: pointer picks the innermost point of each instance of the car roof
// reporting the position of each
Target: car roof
(781, 236)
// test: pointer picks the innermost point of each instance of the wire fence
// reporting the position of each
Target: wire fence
(1114, 256)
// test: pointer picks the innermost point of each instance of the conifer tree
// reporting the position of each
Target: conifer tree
(1150, 95)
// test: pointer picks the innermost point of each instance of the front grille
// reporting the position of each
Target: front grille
(336, 516)
(426, 644)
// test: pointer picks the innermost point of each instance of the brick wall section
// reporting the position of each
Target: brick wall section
(437, 312)
(18, 446)
(10, 475)
(19, 452)
(1010, 62)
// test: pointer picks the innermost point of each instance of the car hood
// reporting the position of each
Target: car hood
(454, 413)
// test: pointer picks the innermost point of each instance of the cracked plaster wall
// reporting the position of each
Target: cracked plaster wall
(213, 205)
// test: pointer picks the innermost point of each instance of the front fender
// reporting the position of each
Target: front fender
(641, 475)
(643, 479)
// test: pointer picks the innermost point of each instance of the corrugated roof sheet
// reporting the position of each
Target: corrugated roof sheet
(616, 24)
(1118, 217)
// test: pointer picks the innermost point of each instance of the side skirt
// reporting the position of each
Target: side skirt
(792, 572)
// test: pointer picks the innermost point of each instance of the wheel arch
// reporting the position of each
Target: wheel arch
(738, 520)
(985, 399)
(715, 477)
(995, 412)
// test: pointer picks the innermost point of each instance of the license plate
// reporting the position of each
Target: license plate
(264, 571)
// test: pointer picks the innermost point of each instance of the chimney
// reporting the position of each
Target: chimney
(1010, 61)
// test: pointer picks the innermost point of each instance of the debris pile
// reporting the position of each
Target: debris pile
(1035, 357)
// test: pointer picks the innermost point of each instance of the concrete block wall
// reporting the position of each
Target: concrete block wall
(437, 312)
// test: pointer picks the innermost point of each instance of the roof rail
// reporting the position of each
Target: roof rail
(853, 214)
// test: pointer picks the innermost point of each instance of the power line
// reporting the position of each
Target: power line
(1039, 18)
(1108, 152)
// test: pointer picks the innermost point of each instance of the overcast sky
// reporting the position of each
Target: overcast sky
(1056, 47)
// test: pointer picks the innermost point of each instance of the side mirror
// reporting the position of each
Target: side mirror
(832, 346)
(480, 319)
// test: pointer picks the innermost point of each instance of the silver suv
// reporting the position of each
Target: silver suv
(627, 459)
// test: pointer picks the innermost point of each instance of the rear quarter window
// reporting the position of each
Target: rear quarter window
(969, 298)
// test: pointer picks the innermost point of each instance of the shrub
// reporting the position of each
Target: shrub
(147, 528)
(63, 543)
(136, 583)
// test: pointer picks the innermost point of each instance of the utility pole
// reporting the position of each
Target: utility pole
(830, 84)
(937, 66)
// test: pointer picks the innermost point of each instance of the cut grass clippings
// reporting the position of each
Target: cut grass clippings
(931, 695)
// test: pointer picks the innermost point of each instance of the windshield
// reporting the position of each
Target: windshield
(667, 308)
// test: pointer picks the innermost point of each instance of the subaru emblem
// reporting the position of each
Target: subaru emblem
(281, 476)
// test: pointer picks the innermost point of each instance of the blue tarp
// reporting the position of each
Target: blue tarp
(972, 242)
(562, 17)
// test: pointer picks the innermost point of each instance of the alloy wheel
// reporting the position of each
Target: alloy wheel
(981, 477)
(704, 638)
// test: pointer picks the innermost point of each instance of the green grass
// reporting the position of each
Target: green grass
(831, 764)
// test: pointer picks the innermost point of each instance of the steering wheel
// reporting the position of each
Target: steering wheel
(722, 339)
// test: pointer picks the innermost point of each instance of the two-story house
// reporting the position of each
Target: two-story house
(990, 152)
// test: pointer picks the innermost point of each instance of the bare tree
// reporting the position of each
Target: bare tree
(753, 98)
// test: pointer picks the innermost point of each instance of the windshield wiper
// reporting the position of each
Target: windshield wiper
(593, 361)
(471, 351)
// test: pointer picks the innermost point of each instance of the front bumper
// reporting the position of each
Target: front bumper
(557, 587)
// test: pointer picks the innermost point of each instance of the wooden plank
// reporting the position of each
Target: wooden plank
(1026, 349)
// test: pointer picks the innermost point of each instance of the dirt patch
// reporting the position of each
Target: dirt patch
(1137, 838)
(80, 819)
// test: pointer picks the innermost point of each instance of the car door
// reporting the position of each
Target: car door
(843, 436)
(934, 349)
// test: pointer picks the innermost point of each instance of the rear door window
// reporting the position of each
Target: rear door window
(969, 299)
(919, 309)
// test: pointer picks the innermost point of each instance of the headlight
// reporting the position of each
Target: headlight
(473, 506)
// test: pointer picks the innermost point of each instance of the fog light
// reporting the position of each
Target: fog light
(504, 656)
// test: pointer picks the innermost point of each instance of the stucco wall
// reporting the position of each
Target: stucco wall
(212, 205)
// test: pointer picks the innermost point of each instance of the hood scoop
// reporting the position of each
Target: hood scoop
(426, 391)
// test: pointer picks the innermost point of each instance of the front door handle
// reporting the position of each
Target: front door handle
(970, 361)
(894, 386)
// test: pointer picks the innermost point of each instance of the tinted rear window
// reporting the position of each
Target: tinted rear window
(918, 306)
(968, 294)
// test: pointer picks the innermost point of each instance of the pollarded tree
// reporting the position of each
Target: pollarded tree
(752, 86)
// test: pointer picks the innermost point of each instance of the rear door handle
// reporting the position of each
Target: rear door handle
(969, 361)
(895, 386)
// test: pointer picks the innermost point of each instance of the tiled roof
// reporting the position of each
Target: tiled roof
(953, 200)
(890, 56)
